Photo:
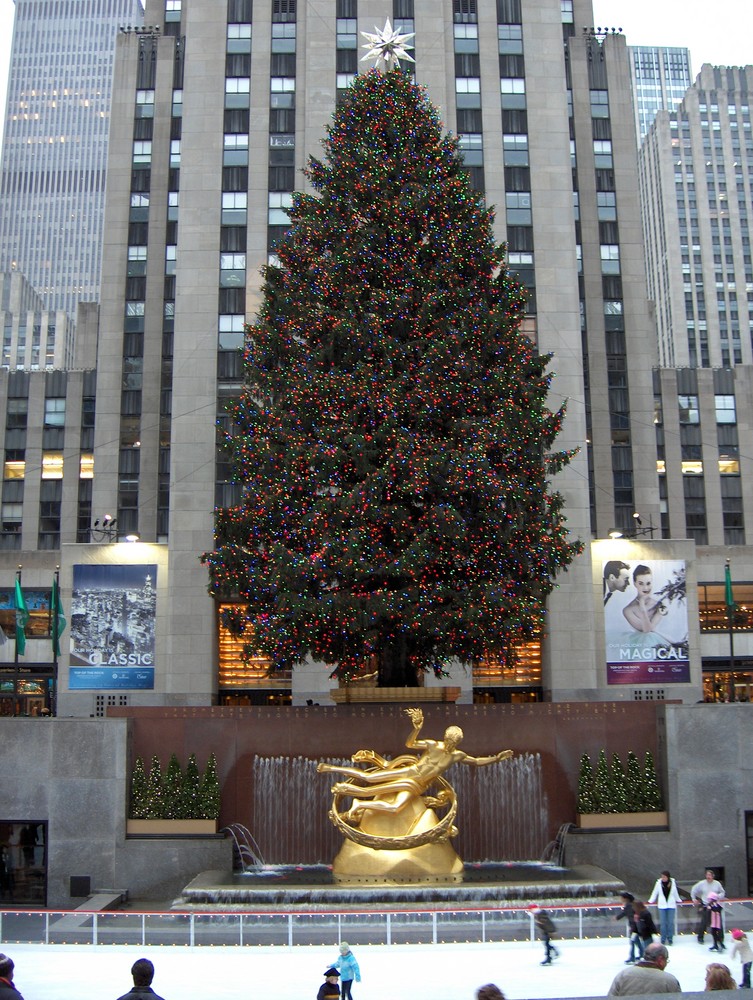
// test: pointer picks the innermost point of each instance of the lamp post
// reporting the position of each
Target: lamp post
(729, 601)
(638, 531)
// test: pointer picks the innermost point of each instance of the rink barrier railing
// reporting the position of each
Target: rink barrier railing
(575, 921)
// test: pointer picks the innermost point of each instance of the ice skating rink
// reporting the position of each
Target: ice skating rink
(397, 972)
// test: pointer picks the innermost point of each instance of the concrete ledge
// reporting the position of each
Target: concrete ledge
(104, 901)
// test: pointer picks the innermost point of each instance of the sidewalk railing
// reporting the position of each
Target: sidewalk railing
(425, 926)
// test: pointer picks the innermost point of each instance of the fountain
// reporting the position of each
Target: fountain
(390, 821)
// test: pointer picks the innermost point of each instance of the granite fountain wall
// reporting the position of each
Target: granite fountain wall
(72, 774)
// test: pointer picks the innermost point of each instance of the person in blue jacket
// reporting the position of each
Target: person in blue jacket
(349, 970)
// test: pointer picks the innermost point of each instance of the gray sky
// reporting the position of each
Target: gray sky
(726, 38)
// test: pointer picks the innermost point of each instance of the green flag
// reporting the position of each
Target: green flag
(57, 618)
(22, 617)
(729, 599)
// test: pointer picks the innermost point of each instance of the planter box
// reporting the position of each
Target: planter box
(622, 821)
(170, 827)
(355, 694)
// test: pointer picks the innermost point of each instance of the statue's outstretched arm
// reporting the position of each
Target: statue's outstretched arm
(482, 761)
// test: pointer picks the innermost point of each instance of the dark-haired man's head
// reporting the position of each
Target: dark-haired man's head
(142, 971)
(616, 575)
(6, 967)
(489, 992)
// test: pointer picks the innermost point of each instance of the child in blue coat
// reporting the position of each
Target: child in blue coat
(349, 970)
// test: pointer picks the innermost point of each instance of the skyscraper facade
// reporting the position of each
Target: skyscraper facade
(696, 174)
(213, 121)
(214, 117)
(52, 182)
(660, 76)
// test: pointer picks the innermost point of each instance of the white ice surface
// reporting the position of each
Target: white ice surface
(397, 972)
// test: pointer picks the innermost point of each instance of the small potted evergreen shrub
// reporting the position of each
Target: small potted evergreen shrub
(174, 803)
(617, 796)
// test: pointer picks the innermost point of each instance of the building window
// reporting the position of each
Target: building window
(52, 465)
(510, 38)
(142, 152)
(279, 203)
(12, 516)
(610, 258)
(599, 103)
(14, 468)
(54, 412)
(17, 414)
(725, 409)
(689, 413)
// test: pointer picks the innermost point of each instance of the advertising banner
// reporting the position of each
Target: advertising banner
(646, 621)
(113, 610)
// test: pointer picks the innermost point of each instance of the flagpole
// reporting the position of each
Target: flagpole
(729, 601)
(55, 640)
(16, 678)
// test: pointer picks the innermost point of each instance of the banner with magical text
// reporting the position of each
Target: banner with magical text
(645, 621)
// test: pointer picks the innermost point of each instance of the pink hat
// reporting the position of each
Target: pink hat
(737, 934)
(712, 896)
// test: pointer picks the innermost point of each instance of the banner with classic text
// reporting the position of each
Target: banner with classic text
(113, 611)
(645, 621)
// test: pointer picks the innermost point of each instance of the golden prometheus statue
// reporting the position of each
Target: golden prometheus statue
(392, 831)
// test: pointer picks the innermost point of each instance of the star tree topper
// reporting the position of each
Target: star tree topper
(386, 47)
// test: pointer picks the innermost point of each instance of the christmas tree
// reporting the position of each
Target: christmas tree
(139, 791)
(586, 796)
(603, 788)
(154, 790)
(618, 783)
(393, 435)
(209, 793)
(190, 807)
(652, 797)
(172, 783)
(634, 783)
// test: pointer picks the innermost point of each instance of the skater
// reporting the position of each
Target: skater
(349, 970)
(628, 913)
(644, 924)
(716, 926)
(666, 897)
(329, 990)
(547, 929)
(699, 894)
(741, 949)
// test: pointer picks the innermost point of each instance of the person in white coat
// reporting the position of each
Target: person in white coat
(741, 948)
(666, 897)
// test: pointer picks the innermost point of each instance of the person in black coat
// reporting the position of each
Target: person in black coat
(330, 988)
(142, 971)
(644, 923)
(547, 929)
(7, 990)
(628, 913)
